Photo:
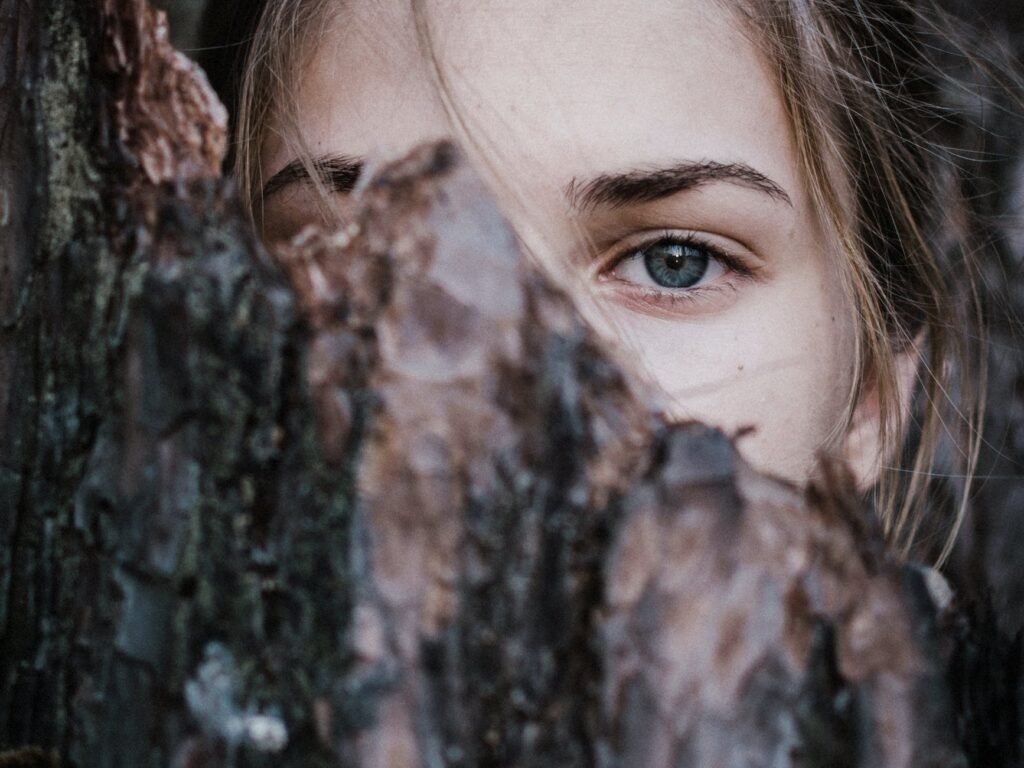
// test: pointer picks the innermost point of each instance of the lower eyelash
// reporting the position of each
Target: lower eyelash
(688, 296)
(651, 300)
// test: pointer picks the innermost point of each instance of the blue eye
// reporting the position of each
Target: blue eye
(675, 265)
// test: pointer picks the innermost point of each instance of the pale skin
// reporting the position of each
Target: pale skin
(715, 276)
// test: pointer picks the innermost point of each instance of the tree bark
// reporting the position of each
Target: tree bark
(382, 499)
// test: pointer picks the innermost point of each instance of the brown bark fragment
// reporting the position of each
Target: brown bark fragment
(712, 615)
(165, 114)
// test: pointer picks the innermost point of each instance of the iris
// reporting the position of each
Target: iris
(675, 265)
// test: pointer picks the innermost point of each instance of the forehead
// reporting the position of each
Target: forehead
(566, 84)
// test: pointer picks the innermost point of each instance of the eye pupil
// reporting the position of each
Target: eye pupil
(675, 265)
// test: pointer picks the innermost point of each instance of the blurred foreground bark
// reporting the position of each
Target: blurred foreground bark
(383, 500)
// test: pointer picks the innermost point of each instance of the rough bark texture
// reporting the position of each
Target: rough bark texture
(382, 500)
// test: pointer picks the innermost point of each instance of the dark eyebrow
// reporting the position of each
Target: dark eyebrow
(339, 173)
(645, 186)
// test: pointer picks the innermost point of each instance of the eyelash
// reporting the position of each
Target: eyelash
(734, 266)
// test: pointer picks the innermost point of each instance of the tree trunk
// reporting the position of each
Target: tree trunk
(382, 499)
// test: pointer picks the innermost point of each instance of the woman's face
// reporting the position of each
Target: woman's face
(643, 154)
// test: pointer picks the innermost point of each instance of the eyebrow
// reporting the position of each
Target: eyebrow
(339, 173)
(616, 190)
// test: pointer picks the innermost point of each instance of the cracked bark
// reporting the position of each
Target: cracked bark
(382, 499)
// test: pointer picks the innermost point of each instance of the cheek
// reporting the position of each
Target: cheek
(781, 362)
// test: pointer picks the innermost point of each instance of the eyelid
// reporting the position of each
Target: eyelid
(732, 257)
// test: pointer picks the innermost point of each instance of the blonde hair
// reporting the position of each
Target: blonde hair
(285, 28)
(859, 80)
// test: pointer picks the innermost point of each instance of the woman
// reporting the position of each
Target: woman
(753, 199)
